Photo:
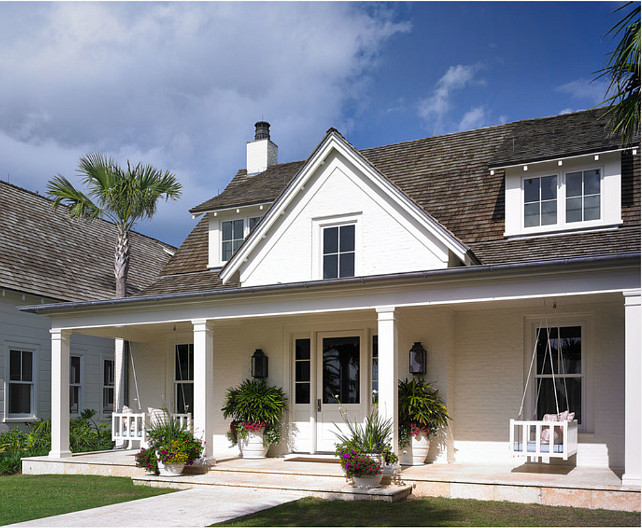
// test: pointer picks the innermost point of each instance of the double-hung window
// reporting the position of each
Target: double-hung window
(232, 238)
(560, 374)
(564, 199)
(233, 232)
(20, 386)
(184, 382)
(338, 251)
(75, 385)
(108, 386)
(540, 201)
(583, 196)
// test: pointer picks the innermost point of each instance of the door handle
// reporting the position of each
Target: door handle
(319, 405)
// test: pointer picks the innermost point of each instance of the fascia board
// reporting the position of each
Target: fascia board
(558, 158)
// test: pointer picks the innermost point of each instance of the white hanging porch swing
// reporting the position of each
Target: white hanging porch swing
(555, 436)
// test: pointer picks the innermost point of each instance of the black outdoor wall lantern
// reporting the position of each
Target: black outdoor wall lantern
(259, 364)
(417, 359)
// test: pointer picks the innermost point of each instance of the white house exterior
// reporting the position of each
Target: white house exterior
(47, 258)
(334, 267)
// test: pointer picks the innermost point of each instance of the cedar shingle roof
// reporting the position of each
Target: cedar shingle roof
(449, 178)
(46, 253)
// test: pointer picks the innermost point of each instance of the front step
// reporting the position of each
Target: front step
(322, 486)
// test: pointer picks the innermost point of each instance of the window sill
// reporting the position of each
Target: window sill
(17, 419)
(562, 230)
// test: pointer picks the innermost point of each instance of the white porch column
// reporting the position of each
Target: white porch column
(632, 393)
(59, 394)
(388, 369)
(119, 374)
(204, 385)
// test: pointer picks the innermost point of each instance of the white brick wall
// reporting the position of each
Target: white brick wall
(387, 240)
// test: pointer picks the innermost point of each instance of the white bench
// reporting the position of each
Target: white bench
(132, 427)
(526, 439)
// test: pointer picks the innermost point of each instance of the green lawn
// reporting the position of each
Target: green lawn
(26, 497)
(430, 512)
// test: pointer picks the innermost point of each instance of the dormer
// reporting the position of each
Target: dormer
(228, 228)
(563, 194)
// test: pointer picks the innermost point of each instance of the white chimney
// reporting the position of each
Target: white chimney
(261, 153)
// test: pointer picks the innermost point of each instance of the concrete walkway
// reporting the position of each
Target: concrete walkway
(193, 507)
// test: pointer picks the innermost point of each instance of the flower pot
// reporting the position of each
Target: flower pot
(420, 446)
(370, 481)
(170, 469)
(252, 445)
(415, 453)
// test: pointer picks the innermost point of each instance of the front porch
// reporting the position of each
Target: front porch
(319, 476)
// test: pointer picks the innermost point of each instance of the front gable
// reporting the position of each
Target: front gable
(336, 189)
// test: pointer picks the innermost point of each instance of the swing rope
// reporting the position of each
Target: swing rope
(131, 357)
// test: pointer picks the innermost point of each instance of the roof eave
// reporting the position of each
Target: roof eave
(623, 259)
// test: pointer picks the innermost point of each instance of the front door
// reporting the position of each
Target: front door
(342, 372)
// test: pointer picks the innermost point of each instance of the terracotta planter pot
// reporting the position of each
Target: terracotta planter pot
(252, 445)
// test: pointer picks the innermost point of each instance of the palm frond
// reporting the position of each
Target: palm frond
(79, 204)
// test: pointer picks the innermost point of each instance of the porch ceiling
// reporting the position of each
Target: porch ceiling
(139, 332)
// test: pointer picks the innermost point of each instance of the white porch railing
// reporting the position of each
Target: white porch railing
(526, 439)
(129, 427)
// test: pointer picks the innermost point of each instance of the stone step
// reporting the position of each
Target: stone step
(323, 486)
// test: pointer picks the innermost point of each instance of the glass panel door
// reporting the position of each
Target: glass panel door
(340, 386)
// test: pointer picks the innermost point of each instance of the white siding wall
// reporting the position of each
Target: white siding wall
(18, 329)
(388, 241)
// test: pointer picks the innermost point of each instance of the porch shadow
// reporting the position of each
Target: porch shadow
(544, 468)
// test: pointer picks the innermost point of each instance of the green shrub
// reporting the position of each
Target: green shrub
(168, 436)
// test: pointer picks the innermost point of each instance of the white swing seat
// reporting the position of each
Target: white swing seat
(526, 438)
(130, 427)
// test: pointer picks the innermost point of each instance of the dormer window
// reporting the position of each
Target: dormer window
(540, 201)
(583, 196)
(232, 238)
(563, 195)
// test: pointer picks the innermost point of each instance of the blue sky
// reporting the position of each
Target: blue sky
(180, 85)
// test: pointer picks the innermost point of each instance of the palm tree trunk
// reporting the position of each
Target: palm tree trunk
(121, 261)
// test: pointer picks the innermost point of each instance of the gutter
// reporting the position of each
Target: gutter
(460, 272)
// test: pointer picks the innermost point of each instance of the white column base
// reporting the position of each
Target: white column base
(631, 480)
(59, 454)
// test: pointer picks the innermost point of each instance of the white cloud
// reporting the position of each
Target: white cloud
(179, 85)
(585, 89)
(475, 118)
(435, 109)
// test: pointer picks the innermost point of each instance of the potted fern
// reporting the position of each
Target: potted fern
(422, 414)
(256, 410)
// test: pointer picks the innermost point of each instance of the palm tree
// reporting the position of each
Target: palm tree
(623, 70)
(122, 196)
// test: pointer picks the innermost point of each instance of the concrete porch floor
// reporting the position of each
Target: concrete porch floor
(553, 485)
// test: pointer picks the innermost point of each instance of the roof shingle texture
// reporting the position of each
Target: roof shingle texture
(449, 178)
(46, 253)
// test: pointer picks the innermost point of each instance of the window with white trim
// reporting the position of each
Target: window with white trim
(75, 385)
(302, 371)
(339, 251)
(184, 379)
(567, 198)
(583, 192)
(21, 383)
(560, 374)
(108, 386)
(233, 233)
(540, 201)
(232, 238)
